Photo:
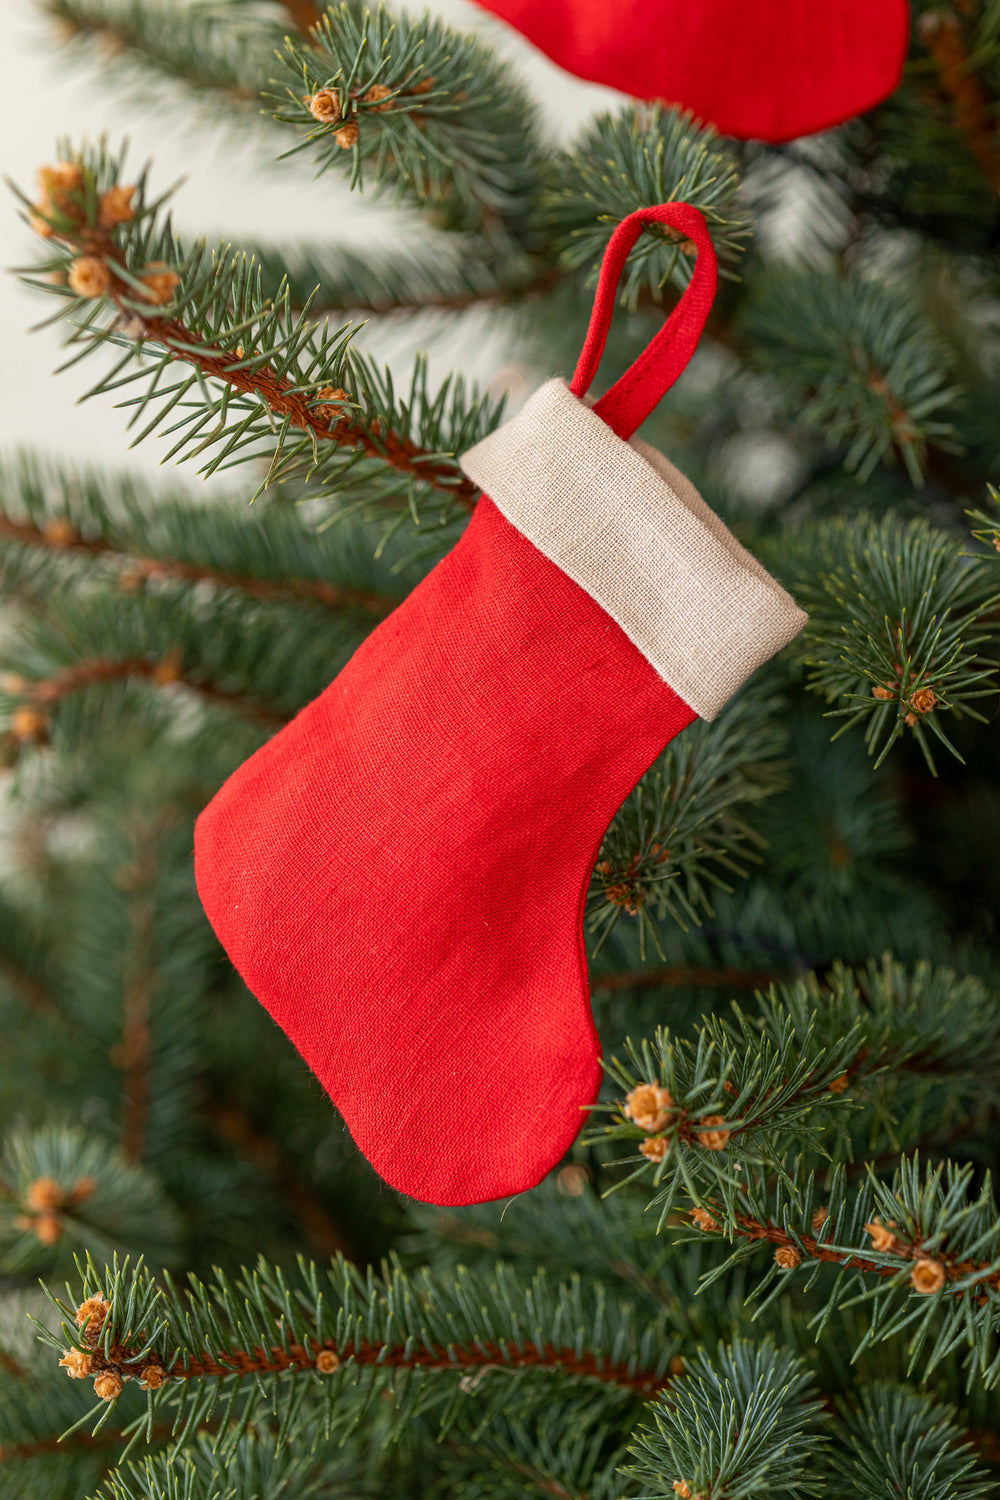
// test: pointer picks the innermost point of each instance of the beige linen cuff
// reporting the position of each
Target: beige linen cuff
(625, 525)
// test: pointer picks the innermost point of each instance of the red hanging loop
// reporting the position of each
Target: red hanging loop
(631, 399)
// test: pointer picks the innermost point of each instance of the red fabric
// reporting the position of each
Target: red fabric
(631, 399)
(400, 874)
(763, 69)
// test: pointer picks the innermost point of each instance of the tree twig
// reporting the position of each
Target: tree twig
(62, 536)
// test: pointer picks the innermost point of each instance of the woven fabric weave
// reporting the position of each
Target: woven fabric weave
(699, 607)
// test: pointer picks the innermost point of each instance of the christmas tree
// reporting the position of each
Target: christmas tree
(771, 1264)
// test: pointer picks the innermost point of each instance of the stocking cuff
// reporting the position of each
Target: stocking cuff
(627, 526)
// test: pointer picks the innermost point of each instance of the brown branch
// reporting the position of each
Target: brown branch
(755, 1231)
(13, 1367)
(669, 978)
(321, 415)
(51, 690)
(438, 1357)
(34, 995)
(304, 13)
(61, 536)
(455, 302)
(941, 34)
(277, 393)
(234, 1126)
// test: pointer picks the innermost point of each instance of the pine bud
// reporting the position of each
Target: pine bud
(59, 532)
(29, 726)
(347, 136)
(819, 1218)
(788, 1257)
(885, 693)
(48, 1229)
(682, 1488)
(882, 1236)
(159, 282)
(108, 1385)
(713, 1140)
(89, 277)
(82, 1189)
(153, 1378)
(928, 1277)
(677, 1365)
(324, 106)
(838, 1085)
(76, 1363)
(375, 93)
(703, 1220)
(423, 87)
(655, 1148)
(96, 1310)
(648, 1106)
(573, 1179)
(327, 1363)
(169, 669)
(44, 1193)
(56, 184)
(115, 207)
(332, 396)
(923, 700)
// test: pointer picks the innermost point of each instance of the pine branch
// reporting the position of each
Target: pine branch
(70, 516)
(900, 622)
(68, 1189)
(744, 1422)
(643, 154)
(347, 1337)
(683, 824)
(61, 537)
(859, 360)
(744, 1088)
(941, 33)
(898, 1440)
(300, 397)
(35, 702)
(424, 112)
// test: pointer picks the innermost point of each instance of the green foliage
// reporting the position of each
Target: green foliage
(273, 404)
(223, 52)
(900, 624)
(858, 360)
(417, 1336)
(453, 134)
(740, 1424)
(683, 825)
(898, 1441)
(644, 154)
(97, 1199)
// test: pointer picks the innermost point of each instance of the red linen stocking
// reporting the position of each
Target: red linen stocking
(400, 874)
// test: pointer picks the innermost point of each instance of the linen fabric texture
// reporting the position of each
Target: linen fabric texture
(400, 874)
(758, 69)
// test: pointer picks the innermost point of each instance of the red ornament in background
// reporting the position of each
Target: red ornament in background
(759, 69)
